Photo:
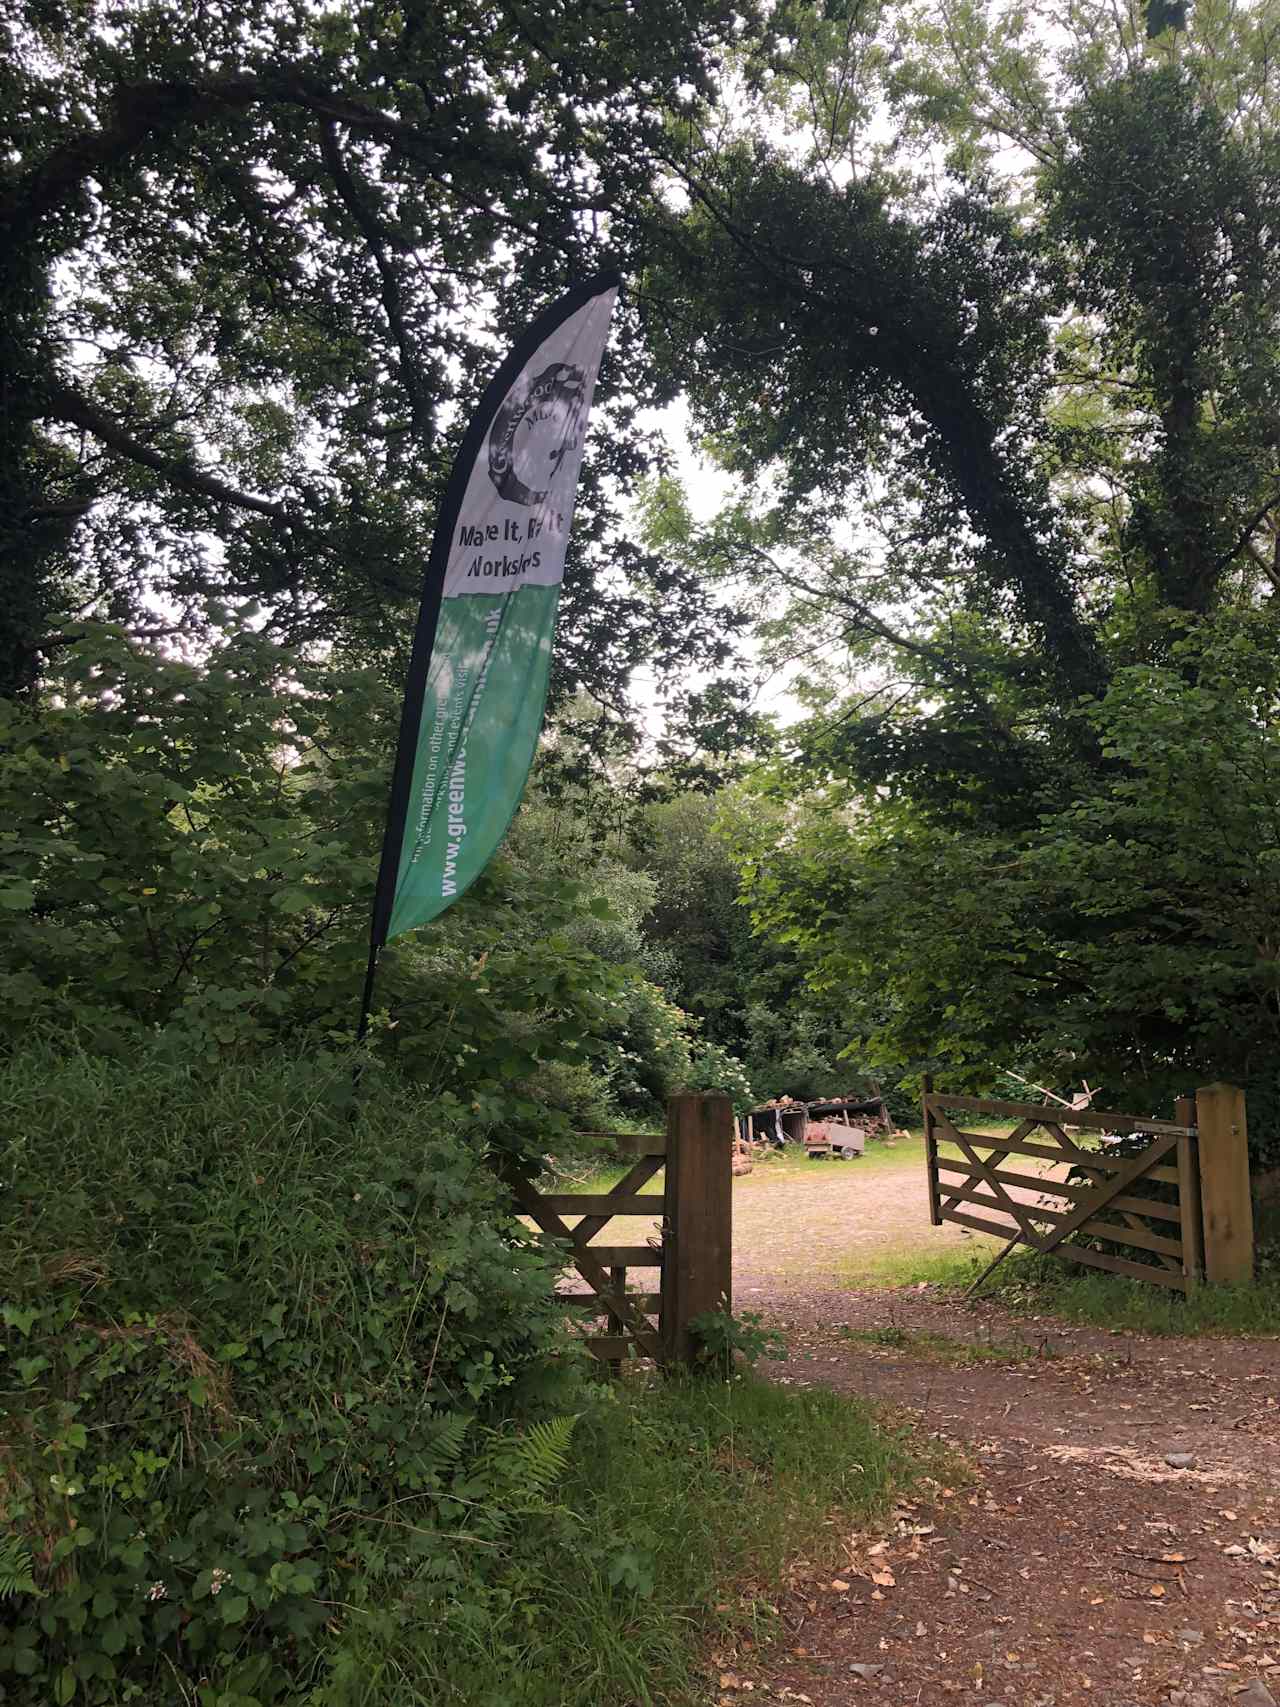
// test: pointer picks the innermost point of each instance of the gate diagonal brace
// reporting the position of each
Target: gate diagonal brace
(1087, 1162)
(1022, 1213)
(1097, 1176)
(1114, 1187)
(980, 1172)
(642, 1172)
(591, 1271)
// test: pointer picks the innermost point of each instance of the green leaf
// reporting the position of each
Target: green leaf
(294, 900)
(112, 1638)
(233, 1608)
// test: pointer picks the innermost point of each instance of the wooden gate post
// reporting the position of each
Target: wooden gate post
(1224, 1185)
(930, 1151)
(697, 1242)
(1190, 1213)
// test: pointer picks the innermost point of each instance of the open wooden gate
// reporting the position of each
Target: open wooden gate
(692, 1253)
(1103, 1201)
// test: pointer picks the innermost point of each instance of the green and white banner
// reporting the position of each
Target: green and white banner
(482, 651)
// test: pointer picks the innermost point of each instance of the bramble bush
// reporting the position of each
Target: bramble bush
(262, 1365)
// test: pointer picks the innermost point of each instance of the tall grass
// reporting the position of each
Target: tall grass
(1027, 1283)
(1032, 1282)
(685, 1500)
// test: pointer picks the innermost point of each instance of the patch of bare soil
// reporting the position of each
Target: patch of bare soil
(1119, 1543)
(824, 1217)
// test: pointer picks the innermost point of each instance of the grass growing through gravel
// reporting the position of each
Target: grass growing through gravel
(937, 1348)
(922, 1264)
(700, 1491)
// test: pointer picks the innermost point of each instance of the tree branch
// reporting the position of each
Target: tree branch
(968, 458)
(864, 615)
(141, 112)
(149, 112)
(1245, 534)
(62, 403)
(392, 300)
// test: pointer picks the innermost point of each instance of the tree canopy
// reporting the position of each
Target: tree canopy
(975, 310)
(990, 335)
(255, 265)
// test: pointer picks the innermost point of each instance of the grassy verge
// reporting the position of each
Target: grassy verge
(679, 1509)
(1033, 1285)
(1040, 1284)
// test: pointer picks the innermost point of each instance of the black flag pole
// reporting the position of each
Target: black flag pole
(424, 636)
(495, 397)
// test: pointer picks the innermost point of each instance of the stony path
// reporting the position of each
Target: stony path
(1081, 1566)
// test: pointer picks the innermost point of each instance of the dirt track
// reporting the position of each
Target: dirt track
(1080, 1566)
(825, 1219)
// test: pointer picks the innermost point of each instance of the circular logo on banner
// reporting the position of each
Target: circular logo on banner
(532, 432)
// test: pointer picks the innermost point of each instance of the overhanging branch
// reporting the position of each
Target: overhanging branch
(149, 112)
(392, 297)
(1246, 533)
(74, 409)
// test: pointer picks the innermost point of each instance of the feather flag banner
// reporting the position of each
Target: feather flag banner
(477, 682)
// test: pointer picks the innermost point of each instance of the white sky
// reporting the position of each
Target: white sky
(706, 488)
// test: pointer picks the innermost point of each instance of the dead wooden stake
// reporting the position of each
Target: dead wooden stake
(993, 1265)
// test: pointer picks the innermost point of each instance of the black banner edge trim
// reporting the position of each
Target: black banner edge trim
(424, 636)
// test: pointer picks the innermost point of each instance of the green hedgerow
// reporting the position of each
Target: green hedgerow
(260, 1363)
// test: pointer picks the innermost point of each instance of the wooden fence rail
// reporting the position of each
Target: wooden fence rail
(1178, 1209)
(692, 1253)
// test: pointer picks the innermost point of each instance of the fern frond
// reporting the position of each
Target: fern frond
(517, 1470)
(15, 1568)
(544, 1451)
(447, 1436)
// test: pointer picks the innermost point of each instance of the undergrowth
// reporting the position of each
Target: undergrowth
(262, 1363)
(291, 1418)
(682, 1503)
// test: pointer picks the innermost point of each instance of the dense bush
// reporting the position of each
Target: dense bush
(187, 846)
(1125, 937)
(190, 850)
(257, 1356)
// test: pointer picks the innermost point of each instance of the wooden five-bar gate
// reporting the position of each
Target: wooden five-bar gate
(1199, 1226)
(692, 1251)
